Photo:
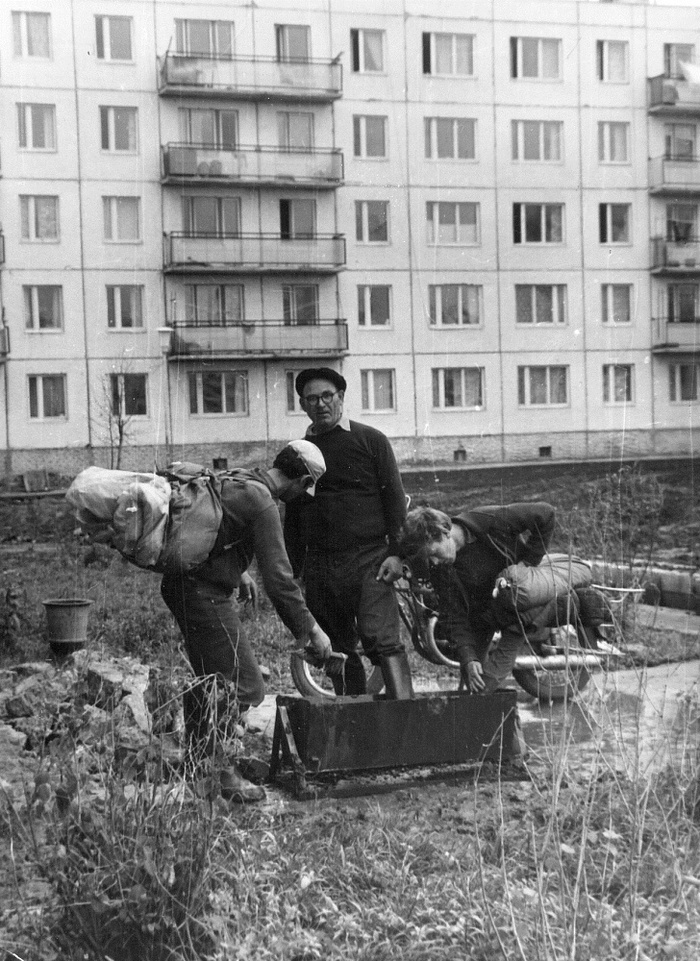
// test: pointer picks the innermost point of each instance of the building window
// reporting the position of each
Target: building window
(618, 383)
(540, 303)
(219, 392)
(458, 388)
(300, 304)
(367, 51)
(681, 223)
(616, 303)
(293, 43)
(539, 140)
(212, 128)
(612, 60)
(214, 304)
(293, 399)
(454, 305)
(121, 217)
(128, 395)
(452, 223)
(683, 382)
(113, 38)
(614, 223)
(295, 131)
(674, 55)
(39, 218)
(47, 396)
(613, 142)
(450, 138)
(31, 34)
(680, 139)
(212, 216)
(448, 54)
(37, 126)
(543, 386)
(369, 136)
(538, 223)
(683, 301)
(297, 219)
(124, 306)
(377, 390)
(43, 307)
(372, 221)
(118, 129)
(207, 38)
(374, 305)
(535, 58)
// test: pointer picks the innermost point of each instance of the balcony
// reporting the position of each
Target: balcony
(258, 339)
(673, 95)
(253, 253)
(4, 343)
(674, 175)
(673, 337)
(675, 258)
(205, 165)
(249, 78)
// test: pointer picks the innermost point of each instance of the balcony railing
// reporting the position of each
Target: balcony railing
(253, 253)
(671, 337)
(676, 175)
(250, 78)
(4, 342)
(673, 95)
(206, 164)
(2, 248)
(273, 338)
(675, 257)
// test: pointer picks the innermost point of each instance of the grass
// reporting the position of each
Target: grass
(110, 854)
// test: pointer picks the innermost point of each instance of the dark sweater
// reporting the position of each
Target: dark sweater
(359, 501)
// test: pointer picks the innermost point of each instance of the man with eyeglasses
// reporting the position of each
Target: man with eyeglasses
(344, 540)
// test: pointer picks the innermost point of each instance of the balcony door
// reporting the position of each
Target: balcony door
(297, 219)
(300, 304)
(680, 139)
(212, 216)
(681, 223)
(211, 128)
(683, 302)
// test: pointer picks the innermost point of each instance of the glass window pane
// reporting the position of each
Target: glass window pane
(553, 223)
(533, 223)
(120, 38)
(233, 303)
(529, 56)
(46, 217)
(436, 388)
(531, 140)
(224, 38)
(49, 308)
(230, 215)
(204, 214)
(124, 128)
(375, 136)
(372, 46)
(377, 226)
(134, 395)
(53, 396)
(443, 53)
(364, 383)
(297, 42)
(466, 146)
(544, 304)
(37, 34)
(558, 385)
(357, 136)
(470, 304)
(229, 129)
(552, 141)
(538, 385)
(192, 379)
(211, 393)
(621, 306)
(523, 304)
(379, 305)
(235, 391)
(445, 137)
(127, 218)
(383, 390)
(463, 52)
(33, 397)
(688, 376)
(453, 387)
(450, 303)
(472, 387)
(550, 58)
(617, 61)
(619, 222)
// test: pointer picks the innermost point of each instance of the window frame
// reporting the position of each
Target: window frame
(525, 386)
(671, 139)
(675, 385)
(605, 224)
(358, 53)
(110, 127)
(363, 223)
(112, 201)
(118, 381)
(361, 140)
(518, 142)
(609, 374)
(439, 391)
(559, 299)
(295, 297)
(516, 59)
(607, 294)
(196, 377)
(106, 41)
(673, 56)
(282, 42)
(436, 307)
(523, 224)
(189, 202)
(433, 224)
(31, 309)
(33, 237)
(115, 302)
(25, 125)
(294, 408)
(674, 302)
(185, 125)
(182, 38)
(369, 390)
(20, 30)
(431, 140)
(288, 227)
(191, 295)
(364, 307)
(603, 61)
(606, 142)
(284, 128)
(430, 56)
(38, 402)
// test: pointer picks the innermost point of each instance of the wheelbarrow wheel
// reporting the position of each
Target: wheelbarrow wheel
(548, 686)
(313, 682)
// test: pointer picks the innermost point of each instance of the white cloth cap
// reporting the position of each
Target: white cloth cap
(313, 458)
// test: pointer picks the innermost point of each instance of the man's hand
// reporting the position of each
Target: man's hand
(320, 643)
(391, 570)
(475, 677)
(248, 591)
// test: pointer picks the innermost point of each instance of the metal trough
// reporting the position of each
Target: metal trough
(314, 737)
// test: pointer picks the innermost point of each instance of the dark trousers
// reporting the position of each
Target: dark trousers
(347, 600)
(229, 678)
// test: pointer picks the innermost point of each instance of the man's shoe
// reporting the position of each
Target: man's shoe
(234, 787)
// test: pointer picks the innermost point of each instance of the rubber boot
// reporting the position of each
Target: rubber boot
(397, 676)
(234, 787)
(353, 680)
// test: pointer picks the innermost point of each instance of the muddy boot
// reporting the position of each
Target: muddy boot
(352, 680)
(397, 677)
(234, 787)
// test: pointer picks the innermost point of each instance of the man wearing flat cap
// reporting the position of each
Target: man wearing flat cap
(344, 539)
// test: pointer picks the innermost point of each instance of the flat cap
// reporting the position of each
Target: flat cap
(319, 373)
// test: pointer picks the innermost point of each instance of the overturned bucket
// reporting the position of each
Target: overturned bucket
(66, 623)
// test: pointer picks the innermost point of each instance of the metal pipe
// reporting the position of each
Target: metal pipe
(558, 662)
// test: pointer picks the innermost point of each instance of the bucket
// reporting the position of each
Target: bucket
(66, 623)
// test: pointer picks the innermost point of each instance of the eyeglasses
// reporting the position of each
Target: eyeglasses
(313, 400)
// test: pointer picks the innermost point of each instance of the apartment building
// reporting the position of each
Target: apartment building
(486, 218)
